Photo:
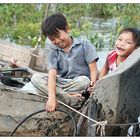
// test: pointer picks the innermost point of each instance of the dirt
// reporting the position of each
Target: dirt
(35, 133)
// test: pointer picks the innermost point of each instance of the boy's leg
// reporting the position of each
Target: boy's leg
(73, 85)
(63, 85)
(40, 80)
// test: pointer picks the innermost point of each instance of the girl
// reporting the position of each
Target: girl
(128, 40)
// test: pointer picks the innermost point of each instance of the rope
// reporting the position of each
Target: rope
(135, 123)
(101, 126)
(102, 123)
(71, 109)
(66, 105)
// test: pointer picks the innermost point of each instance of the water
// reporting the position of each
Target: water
(106, 30)
(102, 53)
(102, 57)
(104, 27)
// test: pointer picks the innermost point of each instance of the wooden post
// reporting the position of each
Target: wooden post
(34, 51)
(32, 61)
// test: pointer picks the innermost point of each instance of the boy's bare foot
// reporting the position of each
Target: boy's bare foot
(75, 94)
(13, 62)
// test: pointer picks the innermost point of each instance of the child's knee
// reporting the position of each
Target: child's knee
(83, 80)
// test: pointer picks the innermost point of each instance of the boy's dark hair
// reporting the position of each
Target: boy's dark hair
(135, 33)
(53, 23)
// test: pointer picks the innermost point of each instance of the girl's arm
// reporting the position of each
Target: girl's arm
(103, 72)
(105, 69)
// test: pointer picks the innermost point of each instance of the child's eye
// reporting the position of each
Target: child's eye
(57, 36)
(119, 39)
(129, 42)
(52, 39)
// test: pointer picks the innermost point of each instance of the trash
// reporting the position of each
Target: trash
(131, 128)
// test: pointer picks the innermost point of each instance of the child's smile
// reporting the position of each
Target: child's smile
(125, 44)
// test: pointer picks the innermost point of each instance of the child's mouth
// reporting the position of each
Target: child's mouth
(60, 44)
(120, 49)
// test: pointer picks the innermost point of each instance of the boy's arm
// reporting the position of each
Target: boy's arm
(93, 73)
(52, 102)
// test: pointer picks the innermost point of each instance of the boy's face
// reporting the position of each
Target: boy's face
(125, 44)
(62, 39)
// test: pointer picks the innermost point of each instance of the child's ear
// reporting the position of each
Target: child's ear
(68, 28)
(137, 47)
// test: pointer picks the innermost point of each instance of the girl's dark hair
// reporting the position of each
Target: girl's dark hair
(53, 23)
(135, 33)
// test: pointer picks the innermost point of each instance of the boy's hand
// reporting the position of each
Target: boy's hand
(51, 105)
(91, 87)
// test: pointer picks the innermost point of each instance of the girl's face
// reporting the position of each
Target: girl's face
(125, 44)
(62, 40)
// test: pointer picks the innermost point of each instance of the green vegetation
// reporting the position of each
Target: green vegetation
(21, 22)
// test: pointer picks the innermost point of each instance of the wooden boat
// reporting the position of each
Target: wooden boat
(16, 105)
(117, 94)
(26, 56)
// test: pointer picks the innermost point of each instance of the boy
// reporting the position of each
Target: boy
(74, 60)
(128, 40)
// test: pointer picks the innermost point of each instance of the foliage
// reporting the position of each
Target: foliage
(21, 22)
(97, 41)
(129, 16)
(103, 10)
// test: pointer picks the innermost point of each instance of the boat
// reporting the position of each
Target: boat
(116, 97)
(16, 105)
